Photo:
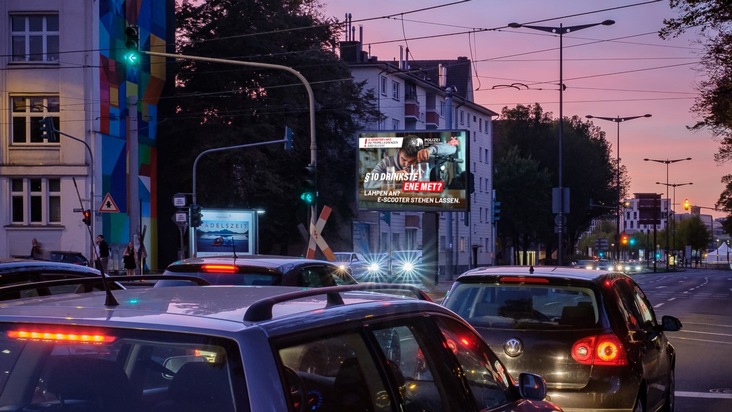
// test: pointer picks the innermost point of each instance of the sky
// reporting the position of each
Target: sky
(621, 70)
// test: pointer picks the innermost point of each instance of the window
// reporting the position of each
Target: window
(383, 85)
(35, 200)
(462, 117)
(480, 125)
(34, 38)
(395, 124)
(442, 108)
(395, 90)
(27, 112)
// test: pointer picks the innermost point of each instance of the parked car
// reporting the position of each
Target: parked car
(259, 270)
(256, 348)
(69, 256)
(14, 271)
(592, 334)
(355, 262)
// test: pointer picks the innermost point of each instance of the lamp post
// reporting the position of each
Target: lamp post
(617, 120)
(668, 209)
(561, 31)
(674, 185)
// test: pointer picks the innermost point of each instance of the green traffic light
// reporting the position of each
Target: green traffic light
(308, 197)
(132, 57)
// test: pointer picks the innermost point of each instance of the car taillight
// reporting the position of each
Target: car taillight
(604, 350)
(218, 268)
(61, 336)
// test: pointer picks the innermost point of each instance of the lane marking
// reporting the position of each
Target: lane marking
(658, 305)
(705, 333)
(708, 324)
(704, 340)
(671, 299)
(708, 395)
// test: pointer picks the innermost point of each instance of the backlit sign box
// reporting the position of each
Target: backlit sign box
(225, 232)
(413, 170)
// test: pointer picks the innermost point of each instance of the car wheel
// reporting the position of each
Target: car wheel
(670, 402)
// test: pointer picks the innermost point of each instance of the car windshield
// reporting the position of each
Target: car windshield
(524, 307)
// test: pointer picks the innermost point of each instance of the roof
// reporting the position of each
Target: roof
(271, 261)
(29, 265)
(224, 308)
(557, 272)
(458, 73)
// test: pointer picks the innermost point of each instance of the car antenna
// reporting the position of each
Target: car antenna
(110, 300)
(233, 246)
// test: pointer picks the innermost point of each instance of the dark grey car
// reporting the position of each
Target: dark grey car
(259, 270)
(593, 335)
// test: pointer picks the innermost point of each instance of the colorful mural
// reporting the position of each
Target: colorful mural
(117, 84)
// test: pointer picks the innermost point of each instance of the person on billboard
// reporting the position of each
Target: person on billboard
(395, 167)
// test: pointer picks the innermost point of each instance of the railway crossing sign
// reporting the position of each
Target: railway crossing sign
(316, 239)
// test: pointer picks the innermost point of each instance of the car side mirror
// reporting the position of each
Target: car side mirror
(531, 386)
(670, 323)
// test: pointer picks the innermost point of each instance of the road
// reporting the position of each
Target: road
(702, 300)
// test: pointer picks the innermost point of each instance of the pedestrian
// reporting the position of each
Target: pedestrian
(36, 251)
(129, 259)
(103, 253)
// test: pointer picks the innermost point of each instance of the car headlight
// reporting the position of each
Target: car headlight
(408, 266)
(374, 267)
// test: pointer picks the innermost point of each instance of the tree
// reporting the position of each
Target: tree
(692, 232)
(526, 132)
(714, 103)
(219, 105)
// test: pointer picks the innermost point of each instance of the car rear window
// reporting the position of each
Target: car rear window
(525, 306)
(214, 278)
(76, 368)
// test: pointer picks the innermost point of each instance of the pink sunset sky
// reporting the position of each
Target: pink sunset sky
(620, 70)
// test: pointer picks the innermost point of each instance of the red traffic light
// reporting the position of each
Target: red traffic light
(87, 217)
(624, 239)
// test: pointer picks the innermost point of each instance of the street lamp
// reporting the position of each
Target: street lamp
(561, 31)
(668, 209)
(617, 120)
(674, 185)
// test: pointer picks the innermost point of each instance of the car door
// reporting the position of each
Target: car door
(646, 344)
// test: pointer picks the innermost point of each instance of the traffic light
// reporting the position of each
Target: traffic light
(496, 216)
(624, 239)
(48, 130)
(687, 205)
(196, 215)
(87, 217)
(132, 45)
(288, 139)
(632, 241)
(310, 186)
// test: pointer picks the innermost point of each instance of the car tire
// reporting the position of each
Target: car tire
(670, 402)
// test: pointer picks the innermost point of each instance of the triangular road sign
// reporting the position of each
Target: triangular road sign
(108, 205)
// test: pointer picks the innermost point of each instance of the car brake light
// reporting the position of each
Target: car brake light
(603, 350)
(522, 279)
(60, 336)
(219, 268)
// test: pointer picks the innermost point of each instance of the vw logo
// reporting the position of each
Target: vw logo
(513, 347)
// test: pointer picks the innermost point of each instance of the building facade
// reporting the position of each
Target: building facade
(64, 60)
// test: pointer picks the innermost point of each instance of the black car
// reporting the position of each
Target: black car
(259, 270)
(16, 271)
(69, 256)
(593, 335)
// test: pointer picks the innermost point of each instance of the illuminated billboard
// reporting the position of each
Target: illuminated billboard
(226, 232)
(413, 170)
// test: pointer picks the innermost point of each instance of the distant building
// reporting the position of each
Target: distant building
(416, 95)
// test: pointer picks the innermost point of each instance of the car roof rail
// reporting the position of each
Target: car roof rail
(262, 309)
(90, 282)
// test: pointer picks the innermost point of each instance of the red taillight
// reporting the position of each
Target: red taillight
(522, 279)
(70, 337)
(219, 268)
(605, 350)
